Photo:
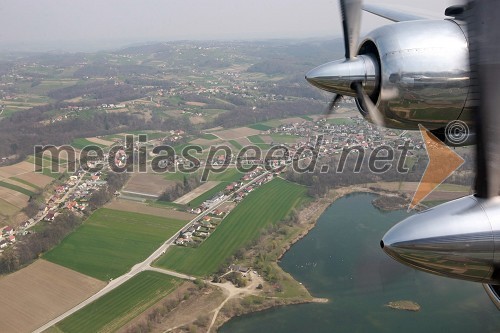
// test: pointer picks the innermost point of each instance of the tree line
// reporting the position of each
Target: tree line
(32, 245)
(188, 184)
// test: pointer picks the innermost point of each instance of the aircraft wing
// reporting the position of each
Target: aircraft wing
(390, 14)
(484, 53)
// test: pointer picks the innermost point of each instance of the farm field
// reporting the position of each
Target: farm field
(100, 141)
(148, 184)
(208, 136)
(39, 292)
(26, 183)
(121, 305)
(281, 138)
(267, 205)
(82, 143)
(110, 242)
(16, 188)
(143, 208)
(340, 121)
(196, 192)
(236, 144)
(36, 179)
(229, 175)
(207, 195)
(16, 169)
(235, 133)
(255, 139)
(260, 127)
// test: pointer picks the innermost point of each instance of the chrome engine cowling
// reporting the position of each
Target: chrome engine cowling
(424, 73)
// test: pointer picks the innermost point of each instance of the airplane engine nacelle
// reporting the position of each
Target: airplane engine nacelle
(459, 239)
(423, 71)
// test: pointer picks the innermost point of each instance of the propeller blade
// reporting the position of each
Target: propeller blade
(332, 104)
(376, 117)
(484, 58)
(351, 21)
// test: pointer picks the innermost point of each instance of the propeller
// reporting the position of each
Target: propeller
(351, 22)
(354, 74)
(331, 105)
(376, 117)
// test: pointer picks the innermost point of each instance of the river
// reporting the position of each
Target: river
(340, 259)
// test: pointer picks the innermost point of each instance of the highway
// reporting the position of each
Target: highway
(146, 264)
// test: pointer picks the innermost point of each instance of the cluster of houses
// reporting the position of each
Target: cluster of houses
(7, 237)
(202, 228)
(73, 195)
(76, 200)
(335, 137)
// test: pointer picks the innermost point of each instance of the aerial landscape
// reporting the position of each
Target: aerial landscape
(202, 185)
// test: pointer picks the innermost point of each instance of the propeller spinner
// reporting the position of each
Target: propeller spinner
(356, 75)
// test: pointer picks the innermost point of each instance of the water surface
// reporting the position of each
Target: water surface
(340, 259)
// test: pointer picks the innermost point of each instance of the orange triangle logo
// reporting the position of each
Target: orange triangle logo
(443, 161)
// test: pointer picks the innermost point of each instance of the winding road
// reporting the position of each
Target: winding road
(146, 264)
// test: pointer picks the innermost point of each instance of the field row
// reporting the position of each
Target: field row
(110, 242)
(266, 205)
(115, 309)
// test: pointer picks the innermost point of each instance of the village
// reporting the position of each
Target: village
(201, 228)
(332, 136)
(72, 195)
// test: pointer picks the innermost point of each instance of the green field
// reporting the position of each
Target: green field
(207, 195)
(46, 159)
(115, 309)
(260, 127)
(281, 138)
(306, 118)
(208, 136)
(110, 242)
(22, 181)
(178, 149)
(48, 172)
(235, 144)
(228, 176)
(255, 139)
(340, 121)
(81, 143)
(176, 176)
(16, 188)
(266, 205)
(7, 209)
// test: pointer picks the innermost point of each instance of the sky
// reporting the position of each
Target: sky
(81, 25)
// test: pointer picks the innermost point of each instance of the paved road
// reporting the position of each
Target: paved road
(146, 264)
(63, 199)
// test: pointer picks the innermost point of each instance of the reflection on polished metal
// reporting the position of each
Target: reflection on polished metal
(493, 292)
(338, 76)
(458, 239)
(415, 72)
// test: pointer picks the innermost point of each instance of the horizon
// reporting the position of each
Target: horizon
(80, 27)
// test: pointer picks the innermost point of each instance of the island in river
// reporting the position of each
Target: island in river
(340, 259)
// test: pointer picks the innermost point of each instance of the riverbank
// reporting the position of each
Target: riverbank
(307, 219)
(263, 255)
(290, 291)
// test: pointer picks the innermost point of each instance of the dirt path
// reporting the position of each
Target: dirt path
(232, 292)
